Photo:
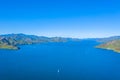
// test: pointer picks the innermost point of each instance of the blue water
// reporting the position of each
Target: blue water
(74, 60)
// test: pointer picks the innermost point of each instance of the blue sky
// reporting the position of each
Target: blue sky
(66, 18)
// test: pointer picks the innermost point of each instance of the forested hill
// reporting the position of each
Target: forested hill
(11, 41)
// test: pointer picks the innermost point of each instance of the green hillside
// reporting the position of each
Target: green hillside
(111, 45)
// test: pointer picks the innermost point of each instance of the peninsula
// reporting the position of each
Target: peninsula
(112, 43)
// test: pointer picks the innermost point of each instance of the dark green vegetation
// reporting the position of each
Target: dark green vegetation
(11, 41)
(112, 43)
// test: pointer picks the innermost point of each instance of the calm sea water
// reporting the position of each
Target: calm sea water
(60, 61)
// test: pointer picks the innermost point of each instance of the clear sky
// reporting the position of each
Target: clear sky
(66, 18)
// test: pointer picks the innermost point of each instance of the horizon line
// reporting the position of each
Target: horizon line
(61, 36)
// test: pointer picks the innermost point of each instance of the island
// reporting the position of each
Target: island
(11, 41)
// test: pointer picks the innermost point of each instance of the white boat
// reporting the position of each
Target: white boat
(58, 71)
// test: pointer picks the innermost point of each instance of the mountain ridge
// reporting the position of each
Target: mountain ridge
(11, 41)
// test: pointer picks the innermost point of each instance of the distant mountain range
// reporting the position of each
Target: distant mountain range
(108, 39)
(11, 41)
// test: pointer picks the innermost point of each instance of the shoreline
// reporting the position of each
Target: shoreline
(108, 49)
